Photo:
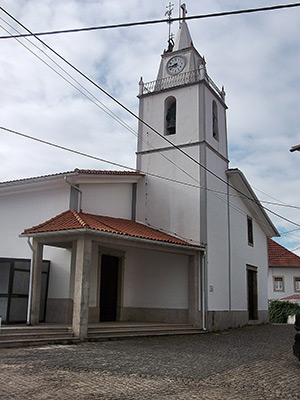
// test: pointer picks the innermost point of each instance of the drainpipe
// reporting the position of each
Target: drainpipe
(78, 208)
(202, 262)
(28, 320)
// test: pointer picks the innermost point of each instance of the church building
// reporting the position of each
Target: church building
(183, 239)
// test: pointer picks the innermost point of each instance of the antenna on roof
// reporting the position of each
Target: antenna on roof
(170, 8)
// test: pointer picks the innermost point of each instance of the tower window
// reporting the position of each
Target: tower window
(170, 115)
(215, 120)
(250, 231)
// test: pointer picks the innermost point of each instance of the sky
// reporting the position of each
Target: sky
(255, 56)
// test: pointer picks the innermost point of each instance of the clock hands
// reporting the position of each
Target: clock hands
(175, 65)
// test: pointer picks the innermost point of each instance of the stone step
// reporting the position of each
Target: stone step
(33, 335)
(17, 336)
(34, 329)
(141, 330)
(43, 340)
(123, 327)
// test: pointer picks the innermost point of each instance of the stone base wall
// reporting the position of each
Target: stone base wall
(59, 311)
(219, 320)
(94, 315)
(167, 315)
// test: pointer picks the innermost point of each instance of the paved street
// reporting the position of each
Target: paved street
(247, 363)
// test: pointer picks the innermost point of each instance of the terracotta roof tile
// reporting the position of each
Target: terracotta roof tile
(292, 297)
(279, 256)
(106, 172)
(72, 220)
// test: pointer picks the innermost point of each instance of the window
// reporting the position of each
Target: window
(278, 282)
(250, 231)
(215, 120)
(170, 113)
(14, 283)
(297, 283)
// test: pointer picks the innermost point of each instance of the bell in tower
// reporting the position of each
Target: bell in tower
(171, 119)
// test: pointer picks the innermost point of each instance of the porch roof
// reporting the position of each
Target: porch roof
(75, 221)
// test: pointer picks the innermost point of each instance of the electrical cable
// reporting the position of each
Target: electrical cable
(152, 22)
(216, 193)
(95, 157)
(126, 108)
(94, 99)
(148, 125)
(115, 100)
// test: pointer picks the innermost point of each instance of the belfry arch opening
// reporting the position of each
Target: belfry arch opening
(170, 116)
(215, 122)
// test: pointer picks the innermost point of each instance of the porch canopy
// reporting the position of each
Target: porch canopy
(78, 231)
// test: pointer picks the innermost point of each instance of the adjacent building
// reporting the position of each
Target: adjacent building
(284, 273)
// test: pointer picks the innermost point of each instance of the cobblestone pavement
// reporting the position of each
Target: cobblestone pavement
(247, 363)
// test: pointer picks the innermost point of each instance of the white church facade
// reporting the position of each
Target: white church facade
(183, 239)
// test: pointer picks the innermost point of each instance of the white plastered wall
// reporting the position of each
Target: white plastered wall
(217, 235)
(112, 199)
(243, 254)
(288, 274)
(23, 209)
(155, 279)
(152, 110)
(166, 205)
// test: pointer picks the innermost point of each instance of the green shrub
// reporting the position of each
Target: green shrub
(280, 310)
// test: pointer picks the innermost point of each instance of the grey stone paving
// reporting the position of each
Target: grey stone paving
(248, 363)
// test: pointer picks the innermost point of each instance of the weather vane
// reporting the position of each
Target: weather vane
(170, 8)
(182, 11)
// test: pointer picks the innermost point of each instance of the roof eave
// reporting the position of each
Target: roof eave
(273, 232)
(68, 232)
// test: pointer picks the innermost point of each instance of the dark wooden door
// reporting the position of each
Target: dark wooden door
(252, 294)
(109, 288)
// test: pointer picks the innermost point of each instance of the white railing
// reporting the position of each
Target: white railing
(178, 80)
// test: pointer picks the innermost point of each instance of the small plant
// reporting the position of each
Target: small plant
(280, 310)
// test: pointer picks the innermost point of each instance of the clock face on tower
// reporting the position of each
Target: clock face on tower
(175, 65)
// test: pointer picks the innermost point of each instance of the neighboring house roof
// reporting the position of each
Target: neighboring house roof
(74, 221)
(75, 172)
(240, 183)
(279, 256)
(292, 297)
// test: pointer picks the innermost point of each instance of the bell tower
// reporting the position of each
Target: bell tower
(187, 112)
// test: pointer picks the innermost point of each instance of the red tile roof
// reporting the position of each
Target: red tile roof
(279, 256)
(106, 172)
(292, 297)
(73, 220)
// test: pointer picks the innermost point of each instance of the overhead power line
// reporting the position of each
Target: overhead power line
(86, 93)
(145, 123)
(93, 157)
(109, 112)
(216, 192)
(152, 22)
